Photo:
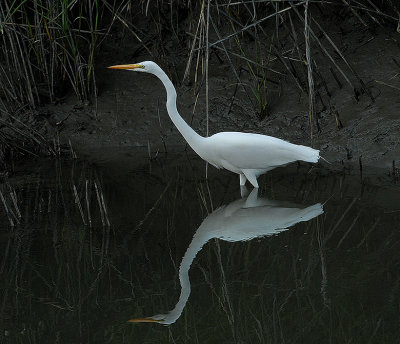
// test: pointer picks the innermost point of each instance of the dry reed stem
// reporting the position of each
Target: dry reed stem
(207, 60)
(88, 202)
(155, 205)
(311, 97)
(79, 205)
(247, 27)
(6, 208)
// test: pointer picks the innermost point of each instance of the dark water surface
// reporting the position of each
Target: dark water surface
(312, 258)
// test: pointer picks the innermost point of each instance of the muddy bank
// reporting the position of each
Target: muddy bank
(349, 125)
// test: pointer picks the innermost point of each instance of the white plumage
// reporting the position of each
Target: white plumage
(246, 154)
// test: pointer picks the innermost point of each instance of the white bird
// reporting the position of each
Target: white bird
(246, 154)
(241, 220)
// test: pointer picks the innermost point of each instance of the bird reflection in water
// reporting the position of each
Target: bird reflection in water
(244, 219)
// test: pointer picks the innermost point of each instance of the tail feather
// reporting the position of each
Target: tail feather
(308, 154)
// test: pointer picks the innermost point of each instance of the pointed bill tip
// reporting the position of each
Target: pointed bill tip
(126, 66)
(143, 320)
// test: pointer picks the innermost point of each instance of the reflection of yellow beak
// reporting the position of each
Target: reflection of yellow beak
(144, 320)
(127, 66)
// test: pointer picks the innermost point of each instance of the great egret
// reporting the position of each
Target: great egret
(241, 220)
(246, 154)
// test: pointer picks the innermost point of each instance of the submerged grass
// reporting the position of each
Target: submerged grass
(63, 200)
(334, 278)
(307, 285)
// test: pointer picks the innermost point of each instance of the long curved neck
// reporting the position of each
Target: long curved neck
(188, 133)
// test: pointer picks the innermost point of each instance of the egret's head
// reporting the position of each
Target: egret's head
(145, 66)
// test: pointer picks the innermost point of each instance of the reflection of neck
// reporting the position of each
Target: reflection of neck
(195, 246)
(243, 219)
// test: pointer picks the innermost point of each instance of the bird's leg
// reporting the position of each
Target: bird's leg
(251, 200)
(242, 179)
(251, 177)
(244, 192)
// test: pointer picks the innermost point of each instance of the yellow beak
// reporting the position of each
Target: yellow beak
(127, 66)
(144, 320)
